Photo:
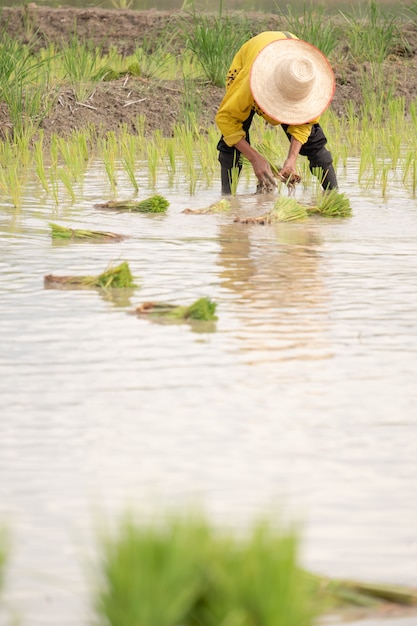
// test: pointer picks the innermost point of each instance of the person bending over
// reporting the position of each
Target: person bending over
(289, 82)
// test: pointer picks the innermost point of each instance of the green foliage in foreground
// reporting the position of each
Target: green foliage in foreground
(114, 277)
(180, 571)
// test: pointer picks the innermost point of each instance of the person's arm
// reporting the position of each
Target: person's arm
(260, 165)
(289, 167)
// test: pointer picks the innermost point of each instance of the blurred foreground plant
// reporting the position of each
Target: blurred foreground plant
(181, 571)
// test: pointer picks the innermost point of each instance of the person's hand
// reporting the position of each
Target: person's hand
(288, 171)
(263, 171)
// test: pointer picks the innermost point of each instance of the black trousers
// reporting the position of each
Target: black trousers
(319, 157)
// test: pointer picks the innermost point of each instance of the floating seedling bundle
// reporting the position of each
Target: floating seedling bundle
(153, 204)
(221, 206)
(62, 233)
(202, 309)
(115, 277)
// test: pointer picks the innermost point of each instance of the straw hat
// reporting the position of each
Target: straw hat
(292, 81)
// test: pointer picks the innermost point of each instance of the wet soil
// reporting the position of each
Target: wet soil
(120, 102)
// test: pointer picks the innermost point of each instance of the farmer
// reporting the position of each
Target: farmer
(289, 82)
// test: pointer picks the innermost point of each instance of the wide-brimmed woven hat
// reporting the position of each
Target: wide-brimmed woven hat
(292, 81)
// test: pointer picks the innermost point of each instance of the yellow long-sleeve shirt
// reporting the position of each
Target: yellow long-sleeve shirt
(238, 101)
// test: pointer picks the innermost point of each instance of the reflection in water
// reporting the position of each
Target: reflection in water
(276, 271)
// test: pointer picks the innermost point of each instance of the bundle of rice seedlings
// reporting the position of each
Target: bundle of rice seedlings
(332, 204)
(202, 309)
(114, 277)
(153, 204)
(285, 209)
(221, 206)
(61, 232)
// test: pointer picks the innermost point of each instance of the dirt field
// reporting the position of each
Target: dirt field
(120, 101)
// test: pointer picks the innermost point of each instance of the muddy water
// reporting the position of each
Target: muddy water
(302, 398)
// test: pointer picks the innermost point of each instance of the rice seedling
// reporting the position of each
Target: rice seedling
(128, 159)
(186, 139)
(153, 204)
(23, 85)
(153, 159)
(384, 179)
(203, 309)
(270, 588)
(12, 181)
(152, 58)
(191, 105)
(332, 204)
(377, 91)
(62, 233)
(410, 168)
(172, 157)
(234, 179)
(65, 177)
(382, 32)
(38, 154)
(73, 153)
(122, 4)
(118, 277)
(109, 155)
(83, 66)
(53, 177)
(150, 573)
(311, 25)
(221, 206)
(287, 209)
(214, 41)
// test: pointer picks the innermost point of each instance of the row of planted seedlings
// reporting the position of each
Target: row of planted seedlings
(169, 569)
(386, 151)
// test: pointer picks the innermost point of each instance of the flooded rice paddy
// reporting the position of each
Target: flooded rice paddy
(301, 399)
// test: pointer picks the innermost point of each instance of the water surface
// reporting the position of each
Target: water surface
(301, 399)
